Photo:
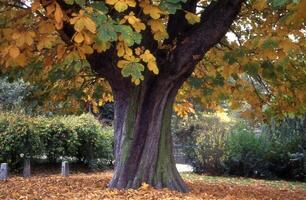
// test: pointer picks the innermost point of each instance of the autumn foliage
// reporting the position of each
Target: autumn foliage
(94, 186)
(260, 64)
(147, 54)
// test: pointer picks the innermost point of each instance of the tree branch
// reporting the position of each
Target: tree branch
(215, 22)
(177, 24)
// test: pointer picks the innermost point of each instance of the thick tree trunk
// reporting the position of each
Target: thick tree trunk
(143, 144)
(143, 138)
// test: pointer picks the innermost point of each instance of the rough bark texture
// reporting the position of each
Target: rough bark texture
(143, 143)
(145, 152)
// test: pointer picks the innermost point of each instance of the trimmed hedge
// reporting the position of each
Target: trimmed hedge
(79, 138)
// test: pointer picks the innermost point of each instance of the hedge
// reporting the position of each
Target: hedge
(80, 138)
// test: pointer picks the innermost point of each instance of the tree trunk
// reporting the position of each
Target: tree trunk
(143, 143)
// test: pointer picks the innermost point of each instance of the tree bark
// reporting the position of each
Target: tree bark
(143, 141)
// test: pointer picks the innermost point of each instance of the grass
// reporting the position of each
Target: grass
(280, 184)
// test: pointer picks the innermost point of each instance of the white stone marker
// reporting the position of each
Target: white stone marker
(27, 168)
(3, 171)
(65, 168)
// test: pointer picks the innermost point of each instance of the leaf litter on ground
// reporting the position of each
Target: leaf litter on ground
(94, 186)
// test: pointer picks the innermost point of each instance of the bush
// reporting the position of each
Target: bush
(271, 154)
(71, 137)
(13, 94)
(95, 143)
(18, 140)
(245, 152)
(216, 147)
(204, 144)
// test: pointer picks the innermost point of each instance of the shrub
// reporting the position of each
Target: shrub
(204, 144)
(274, 153)
(95, 143)
(216, 147)
(70, 137)
(60, 139)
(18, 140)
(245, 151)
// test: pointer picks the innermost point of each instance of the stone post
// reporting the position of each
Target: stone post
(27, 168)
(3, 171)
(65, 168)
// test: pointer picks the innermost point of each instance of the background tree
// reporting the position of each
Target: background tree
(12, 95)
(146, 50)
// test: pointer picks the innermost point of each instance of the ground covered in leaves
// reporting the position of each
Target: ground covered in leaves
(94, 186)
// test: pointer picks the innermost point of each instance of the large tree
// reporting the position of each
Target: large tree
(146, 50)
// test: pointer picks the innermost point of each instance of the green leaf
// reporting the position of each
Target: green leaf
(171, 5)
(270, 44)
(99, 5)
(268, 70)
(251, 68)
(130, 37)
(107, 32)
(276, 4)
(69, 2)
(80, 2)
(134, 70)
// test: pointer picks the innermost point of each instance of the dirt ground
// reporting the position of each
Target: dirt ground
(94, 186)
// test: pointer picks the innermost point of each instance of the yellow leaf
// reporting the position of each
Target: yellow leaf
(288, 46)
(50, 9)
(131, 3)
(192, 18)
(120, 49)
(147, 56)
(45, 42)
(122, 63)
(35, 5)
(260, 5)
(134, 21)
(79, 25)
(45, 27)
(14, 51)
(60, 50)
(83, 50)
(121, 5)
(153, 67)
(80, 22)
(88, 38)
(158, 29)
(58, 15)
(21, 60)
(101, 46)
(28, 37)
(145, 186)
(78, 38)
(136, 81)
(89, 24)
(152, 10)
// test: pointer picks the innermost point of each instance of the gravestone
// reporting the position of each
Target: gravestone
(3, 171)
(65, 168)
(27, 168)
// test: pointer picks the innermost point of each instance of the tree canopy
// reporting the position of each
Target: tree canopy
(261, 61)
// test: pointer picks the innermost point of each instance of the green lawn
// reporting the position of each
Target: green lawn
(281, 184)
